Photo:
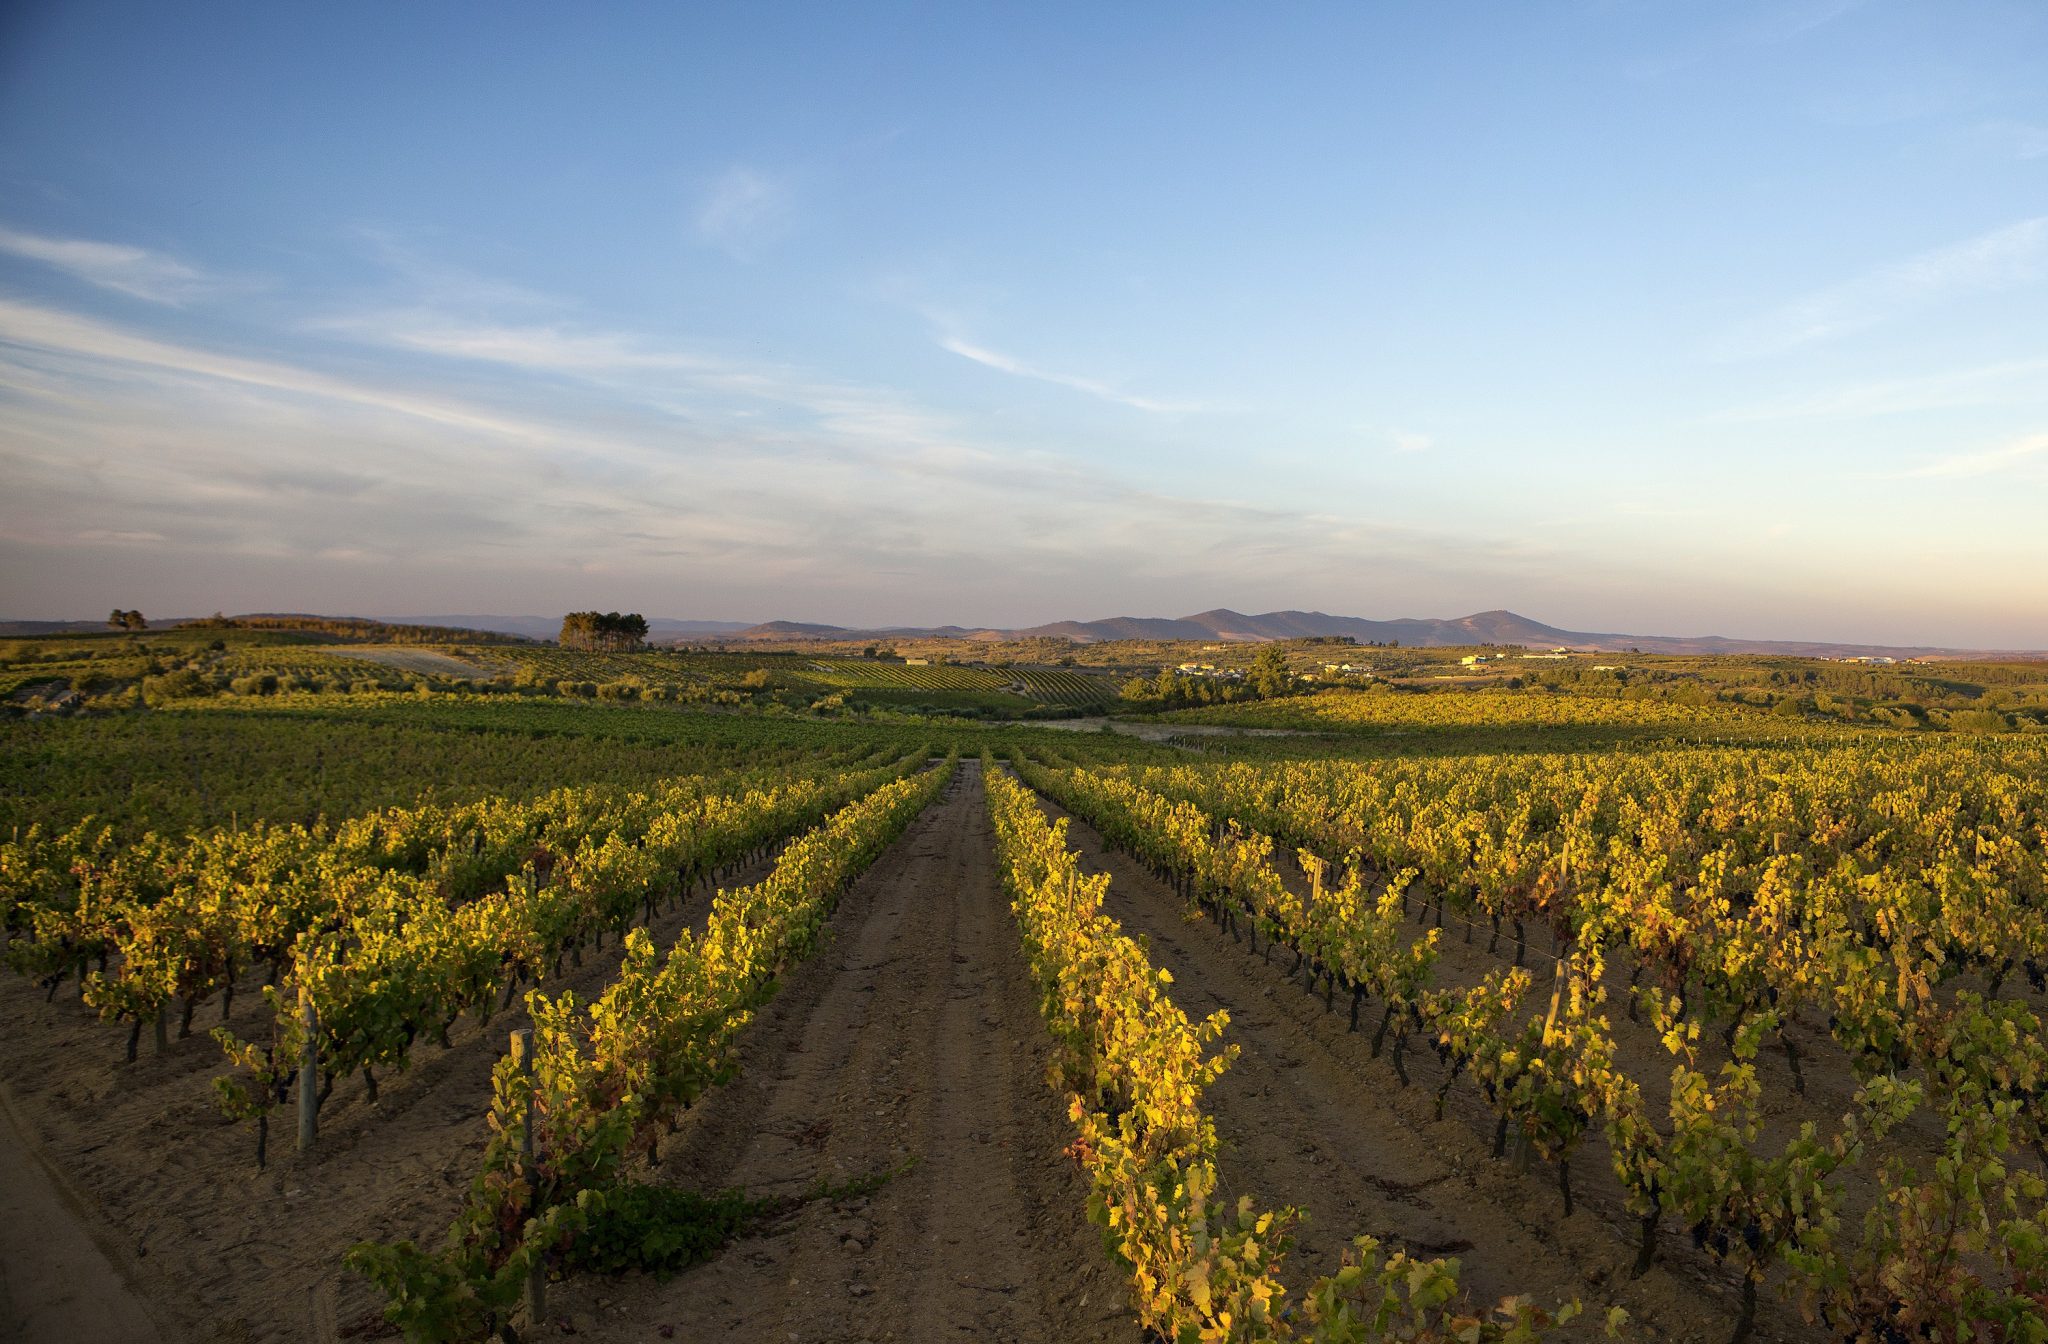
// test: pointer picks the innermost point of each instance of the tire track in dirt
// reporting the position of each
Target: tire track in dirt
(914, 1033)
(1309, 1118)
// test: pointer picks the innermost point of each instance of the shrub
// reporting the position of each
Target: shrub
(1979, 721)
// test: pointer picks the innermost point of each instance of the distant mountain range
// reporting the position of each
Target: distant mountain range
(1223, 626)
(1220, 626)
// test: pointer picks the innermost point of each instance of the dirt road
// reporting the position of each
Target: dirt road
(914, 1034)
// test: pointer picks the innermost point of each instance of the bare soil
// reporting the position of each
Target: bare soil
(218, 1250)
(1156, 732)
(912, 1034)
(424, 661)
(62, 1276)
(1310, 1119)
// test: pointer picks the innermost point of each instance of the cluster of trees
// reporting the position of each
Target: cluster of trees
(1268, 679)
(1958, 697)
(355, 628)
(606, 630)
(118, 619)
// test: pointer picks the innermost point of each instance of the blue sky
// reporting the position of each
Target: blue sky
(1652, 317)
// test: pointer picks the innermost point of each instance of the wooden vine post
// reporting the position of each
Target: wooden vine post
(537, 1275)
(309, 1071)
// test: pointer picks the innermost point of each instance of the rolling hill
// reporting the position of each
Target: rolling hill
(1222, 625)
(1219, 625)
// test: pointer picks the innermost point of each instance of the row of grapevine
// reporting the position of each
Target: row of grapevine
(186, 771)
(1135, 1069)
(1551, 1077)
(400, 962)
(182, 921)
(1383, 710)
(1051, 685)
(607, 1078)
(1061, 686)
(1876, 888)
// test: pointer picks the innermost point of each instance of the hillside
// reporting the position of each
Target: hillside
(1220, 625)
(1487, 627)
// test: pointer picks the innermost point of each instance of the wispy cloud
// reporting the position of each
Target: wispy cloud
(541, 346)
(1094, 387)
(1793, 21)
(1725, 37)
(680, 384)
(2009, 381)
(134, 271)
(61, 333)
(119, 538)
(744, 209)
(2027, 140)
(2019, 452)
(1410, 441)
(2002, 258)
(419, 264)
(214, 474)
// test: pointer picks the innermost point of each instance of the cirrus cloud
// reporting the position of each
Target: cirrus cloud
(2002, 258)
(134, 271)
(744, 209)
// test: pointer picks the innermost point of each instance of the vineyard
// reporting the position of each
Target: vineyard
(1390, 713)
(1864, 912)
(1502, 1014)
(1056, 686)
(186, 666)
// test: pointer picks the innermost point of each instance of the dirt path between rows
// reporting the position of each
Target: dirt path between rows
(913, 1034)
(219, 1251)
(1154, 732)
(1310, 1119)
(423, 661)
(60, 1275)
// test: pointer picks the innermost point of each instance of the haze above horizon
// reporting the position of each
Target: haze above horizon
(1631, 316)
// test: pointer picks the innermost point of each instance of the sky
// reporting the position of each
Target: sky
(1648, 317)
